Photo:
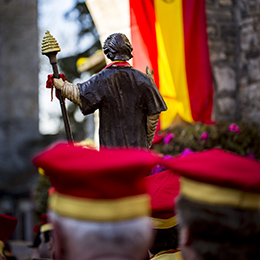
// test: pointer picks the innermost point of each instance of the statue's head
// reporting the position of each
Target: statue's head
(118, 47)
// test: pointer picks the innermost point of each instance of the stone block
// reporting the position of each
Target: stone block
(227, 3)
(228, 31)
(210, 2)
(225, 79)
(247, 41)
(253, 70)
(217, 56)
(212, 31)
(227, 107)
(254, 94)
(219, 15)
(249, 97)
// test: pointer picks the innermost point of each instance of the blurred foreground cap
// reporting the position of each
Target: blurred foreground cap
(45, 224)
(106, 185)
(163, 188)
(7, 227)
(218, 177)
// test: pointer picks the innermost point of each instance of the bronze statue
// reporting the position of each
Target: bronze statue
(128, 100)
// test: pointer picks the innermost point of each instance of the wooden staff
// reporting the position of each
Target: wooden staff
(50, 48)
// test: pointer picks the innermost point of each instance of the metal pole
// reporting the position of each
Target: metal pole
(50, 48)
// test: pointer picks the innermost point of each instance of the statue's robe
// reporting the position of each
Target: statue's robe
(124, 97)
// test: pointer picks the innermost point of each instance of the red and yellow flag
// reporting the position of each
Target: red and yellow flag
(170, 37)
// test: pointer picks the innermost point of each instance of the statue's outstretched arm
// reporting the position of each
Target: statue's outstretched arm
(68, 90)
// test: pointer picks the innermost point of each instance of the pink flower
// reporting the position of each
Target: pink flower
(204, 136)
(158, 168)
(235, 128)
(250, 156)
(168, 138)
(166, 157)
(187, 151)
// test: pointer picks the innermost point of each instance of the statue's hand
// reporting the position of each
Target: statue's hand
(58, 83)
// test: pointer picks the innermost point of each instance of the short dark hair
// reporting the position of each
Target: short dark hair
(220, 232)
(36, 241)
(165, 239)
(47, 235)
(118, 47)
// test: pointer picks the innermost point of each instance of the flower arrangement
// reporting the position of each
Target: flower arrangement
(240, 138)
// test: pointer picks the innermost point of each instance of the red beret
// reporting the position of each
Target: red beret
(89, 174)
(45, 224)
(224, 175)
(163, 188)
(7, 227)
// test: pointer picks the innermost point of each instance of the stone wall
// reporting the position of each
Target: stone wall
(249, 62)
(233, 36)
(19, 110)
(19, 90)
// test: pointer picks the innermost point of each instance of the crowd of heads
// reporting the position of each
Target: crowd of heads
(197, 207)
(203, 206)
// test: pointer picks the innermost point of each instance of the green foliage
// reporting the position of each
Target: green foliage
(244, 140)
(41, 195)
(87, 34)
(81, 14)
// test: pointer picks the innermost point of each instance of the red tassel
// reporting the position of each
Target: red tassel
(49, 84)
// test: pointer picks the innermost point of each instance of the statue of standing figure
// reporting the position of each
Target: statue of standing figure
(128, 100)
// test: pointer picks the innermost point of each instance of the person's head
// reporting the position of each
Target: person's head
(165, 239)
(8, 252)
(218, 206)
(87, 240)
(46, 246)
(100, 209)
(218, 232)
(118, 47)
(7, 227)
(163, 188)
(35, 245)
